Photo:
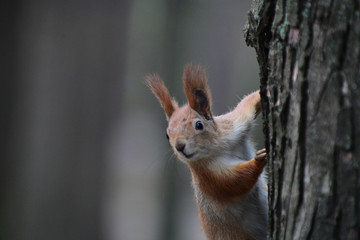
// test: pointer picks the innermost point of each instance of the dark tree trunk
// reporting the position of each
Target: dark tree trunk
(309, 56)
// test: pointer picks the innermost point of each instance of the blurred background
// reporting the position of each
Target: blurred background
(84, 153)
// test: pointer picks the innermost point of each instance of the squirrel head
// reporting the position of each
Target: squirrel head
(192, 131)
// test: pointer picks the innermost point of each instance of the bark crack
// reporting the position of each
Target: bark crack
(291, 191)
(302, 143)
(319, 101)
(313, 222)
(337, 227)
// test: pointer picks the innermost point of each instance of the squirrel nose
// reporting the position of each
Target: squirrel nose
(180, 146)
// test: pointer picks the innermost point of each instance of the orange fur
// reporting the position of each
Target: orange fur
(227, 188)
(212, 231)
(197, 90)
(159, 89)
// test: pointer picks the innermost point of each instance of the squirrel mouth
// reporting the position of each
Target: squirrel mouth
(188, 156)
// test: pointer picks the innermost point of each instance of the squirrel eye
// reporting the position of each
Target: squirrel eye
(167, 136)
(199, 126)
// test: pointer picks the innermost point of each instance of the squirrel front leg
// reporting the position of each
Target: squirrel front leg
(248, 108)
(249, 172)
(240, 119)
(239, 180)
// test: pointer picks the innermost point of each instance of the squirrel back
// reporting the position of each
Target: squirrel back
(229, 187)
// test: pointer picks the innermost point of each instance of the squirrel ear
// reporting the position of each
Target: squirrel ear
(197, 90)
(159, 89)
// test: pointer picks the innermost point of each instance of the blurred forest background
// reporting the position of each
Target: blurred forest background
(84, 153)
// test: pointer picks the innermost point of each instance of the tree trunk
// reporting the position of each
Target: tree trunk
(309, 57)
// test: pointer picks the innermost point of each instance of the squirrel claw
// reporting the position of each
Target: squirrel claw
(260, 155)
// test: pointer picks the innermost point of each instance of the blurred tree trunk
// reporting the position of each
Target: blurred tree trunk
(309, 57)
(61, 72)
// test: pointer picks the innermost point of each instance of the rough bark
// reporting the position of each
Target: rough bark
(309, 57)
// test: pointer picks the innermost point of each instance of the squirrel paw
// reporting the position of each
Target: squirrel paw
(261, 155)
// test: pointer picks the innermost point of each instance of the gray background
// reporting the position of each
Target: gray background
(84, 153)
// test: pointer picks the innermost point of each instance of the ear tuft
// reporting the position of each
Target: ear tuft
(197, 90)
(159, 89)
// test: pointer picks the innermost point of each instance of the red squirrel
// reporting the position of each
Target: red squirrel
(230, 189)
